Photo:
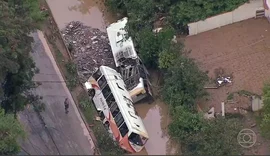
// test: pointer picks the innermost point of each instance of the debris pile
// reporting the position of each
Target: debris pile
(221, 77)
(89, 48)
(210, 114)
(223, 80)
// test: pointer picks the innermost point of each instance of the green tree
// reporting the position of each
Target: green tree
(150, 45)
(17, 66)
(204, 137)
(179, 13)
(10, 132)
(186, 11)
(265, 123)
(216, 137)
(168, 57)
(184, 83)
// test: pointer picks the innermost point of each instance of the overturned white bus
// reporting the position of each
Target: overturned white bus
(129, 65)
(114, 105)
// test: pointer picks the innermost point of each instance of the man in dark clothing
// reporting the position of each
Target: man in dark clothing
(66, 105)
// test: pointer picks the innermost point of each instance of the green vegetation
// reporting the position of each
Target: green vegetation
(72, 77)
(202, 137)
(183, 80)
(247, 93)
(242, 93)
(265, 118)
(230, 96)
(143, 13)
(104, 142)
(17, 20)
(184, 84)
(10, 131)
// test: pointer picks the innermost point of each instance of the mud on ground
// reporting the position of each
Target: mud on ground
(242, 50)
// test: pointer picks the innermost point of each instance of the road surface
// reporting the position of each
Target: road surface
(53, 132)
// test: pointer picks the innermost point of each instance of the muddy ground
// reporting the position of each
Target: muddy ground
(242, 50)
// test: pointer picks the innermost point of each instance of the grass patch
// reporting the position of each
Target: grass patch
(242, 93)
(230, 96)
(247, 93)
(258, 117)
(87, 109)
(72, 77)
(58, 54)
(105, 143)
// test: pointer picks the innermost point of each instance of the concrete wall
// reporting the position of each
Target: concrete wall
(267, 9)
(245, 11)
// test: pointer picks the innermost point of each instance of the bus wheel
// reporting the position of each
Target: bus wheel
(91, 93)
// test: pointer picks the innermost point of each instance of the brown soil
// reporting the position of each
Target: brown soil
(242, 50)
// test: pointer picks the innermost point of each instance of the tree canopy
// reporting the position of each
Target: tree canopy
(10, 131)
(17, 68)
(178, 12)
(18, 20)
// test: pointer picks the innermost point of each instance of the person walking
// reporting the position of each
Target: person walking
(66, 105)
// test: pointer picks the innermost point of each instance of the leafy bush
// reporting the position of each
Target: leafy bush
(204, 137)
(72, 77)
(179, 13)
(184, 83)
(10, 131)
(150, 45)
(265, 123)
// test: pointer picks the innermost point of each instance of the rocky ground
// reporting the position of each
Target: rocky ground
(89, 47)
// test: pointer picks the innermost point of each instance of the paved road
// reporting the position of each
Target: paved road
(54, 132)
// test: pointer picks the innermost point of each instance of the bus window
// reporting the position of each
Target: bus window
(130, 71)
(136, 139)
(110, 100)
(114, 109)
(102, 82)
(97, 74)
(106, 91)
(123, 129)
(119, 119)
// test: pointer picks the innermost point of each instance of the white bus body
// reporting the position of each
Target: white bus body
(129, 65)
(115, 107)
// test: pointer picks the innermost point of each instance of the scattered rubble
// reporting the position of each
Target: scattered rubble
(223, 80)
(89, 48)
(210, 114)
(238, 105)
(221, 77)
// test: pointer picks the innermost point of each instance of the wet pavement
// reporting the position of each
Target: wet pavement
(155, 115)
(52, 132)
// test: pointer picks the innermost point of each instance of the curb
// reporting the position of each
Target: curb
(95, 148)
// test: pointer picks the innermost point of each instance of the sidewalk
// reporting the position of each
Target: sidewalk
(54, 132)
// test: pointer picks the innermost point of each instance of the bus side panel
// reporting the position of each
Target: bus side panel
(124, 143)
(114, 128)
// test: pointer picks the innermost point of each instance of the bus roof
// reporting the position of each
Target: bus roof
(120, 45)
(114, 80)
